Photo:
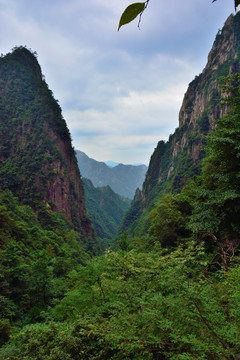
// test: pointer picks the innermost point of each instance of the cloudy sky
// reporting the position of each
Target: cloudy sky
(120, 92)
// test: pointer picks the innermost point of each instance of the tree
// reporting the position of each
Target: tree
(217, 191)
(134, 305)
(168, 220)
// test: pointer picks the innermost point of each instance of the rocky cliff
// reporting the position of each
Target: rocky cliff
(177, 160)
(38, 163)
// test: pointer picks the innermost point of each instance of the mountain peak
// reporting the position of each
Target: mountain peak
(38, 163)
(26, 58)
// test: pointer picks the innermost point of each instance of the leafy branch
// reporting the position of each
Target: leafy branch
(131, 12)
(236, 3)
(135, 9)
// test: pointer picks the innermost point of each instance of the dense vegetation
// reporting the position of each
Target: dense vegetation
(34, 261)
(173, 293)
(139, 306)
(106, 210)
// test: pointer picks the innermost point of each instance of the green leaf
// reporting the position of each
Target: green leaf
(237, 2)
(130, 13)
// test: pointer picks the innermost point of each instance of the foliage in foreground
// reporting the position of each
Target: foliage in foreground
(174, 294)
(140, 306)
(34, 262)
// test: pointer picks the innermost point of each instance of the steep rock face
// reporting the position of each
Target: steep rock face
(38, 163)
(175, 161)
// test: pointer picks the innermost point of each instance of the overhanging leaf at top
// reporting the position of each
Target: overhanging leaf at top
(130, 13)
(237, 2)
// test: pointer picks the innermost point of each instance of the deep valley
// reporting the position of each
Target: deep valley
(129, 262)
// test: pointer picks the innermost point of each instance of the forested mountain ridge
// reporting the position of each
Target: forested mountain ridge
(38, 163)
(106, 210)
(123, 179)
(44, 229)
(174, 162)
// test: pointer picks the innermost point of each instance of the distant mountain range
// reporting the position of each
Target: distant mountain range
(113, 163)
(123, 179)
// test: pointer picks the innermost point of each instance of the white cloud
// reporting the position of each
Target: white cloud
(120, 91)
